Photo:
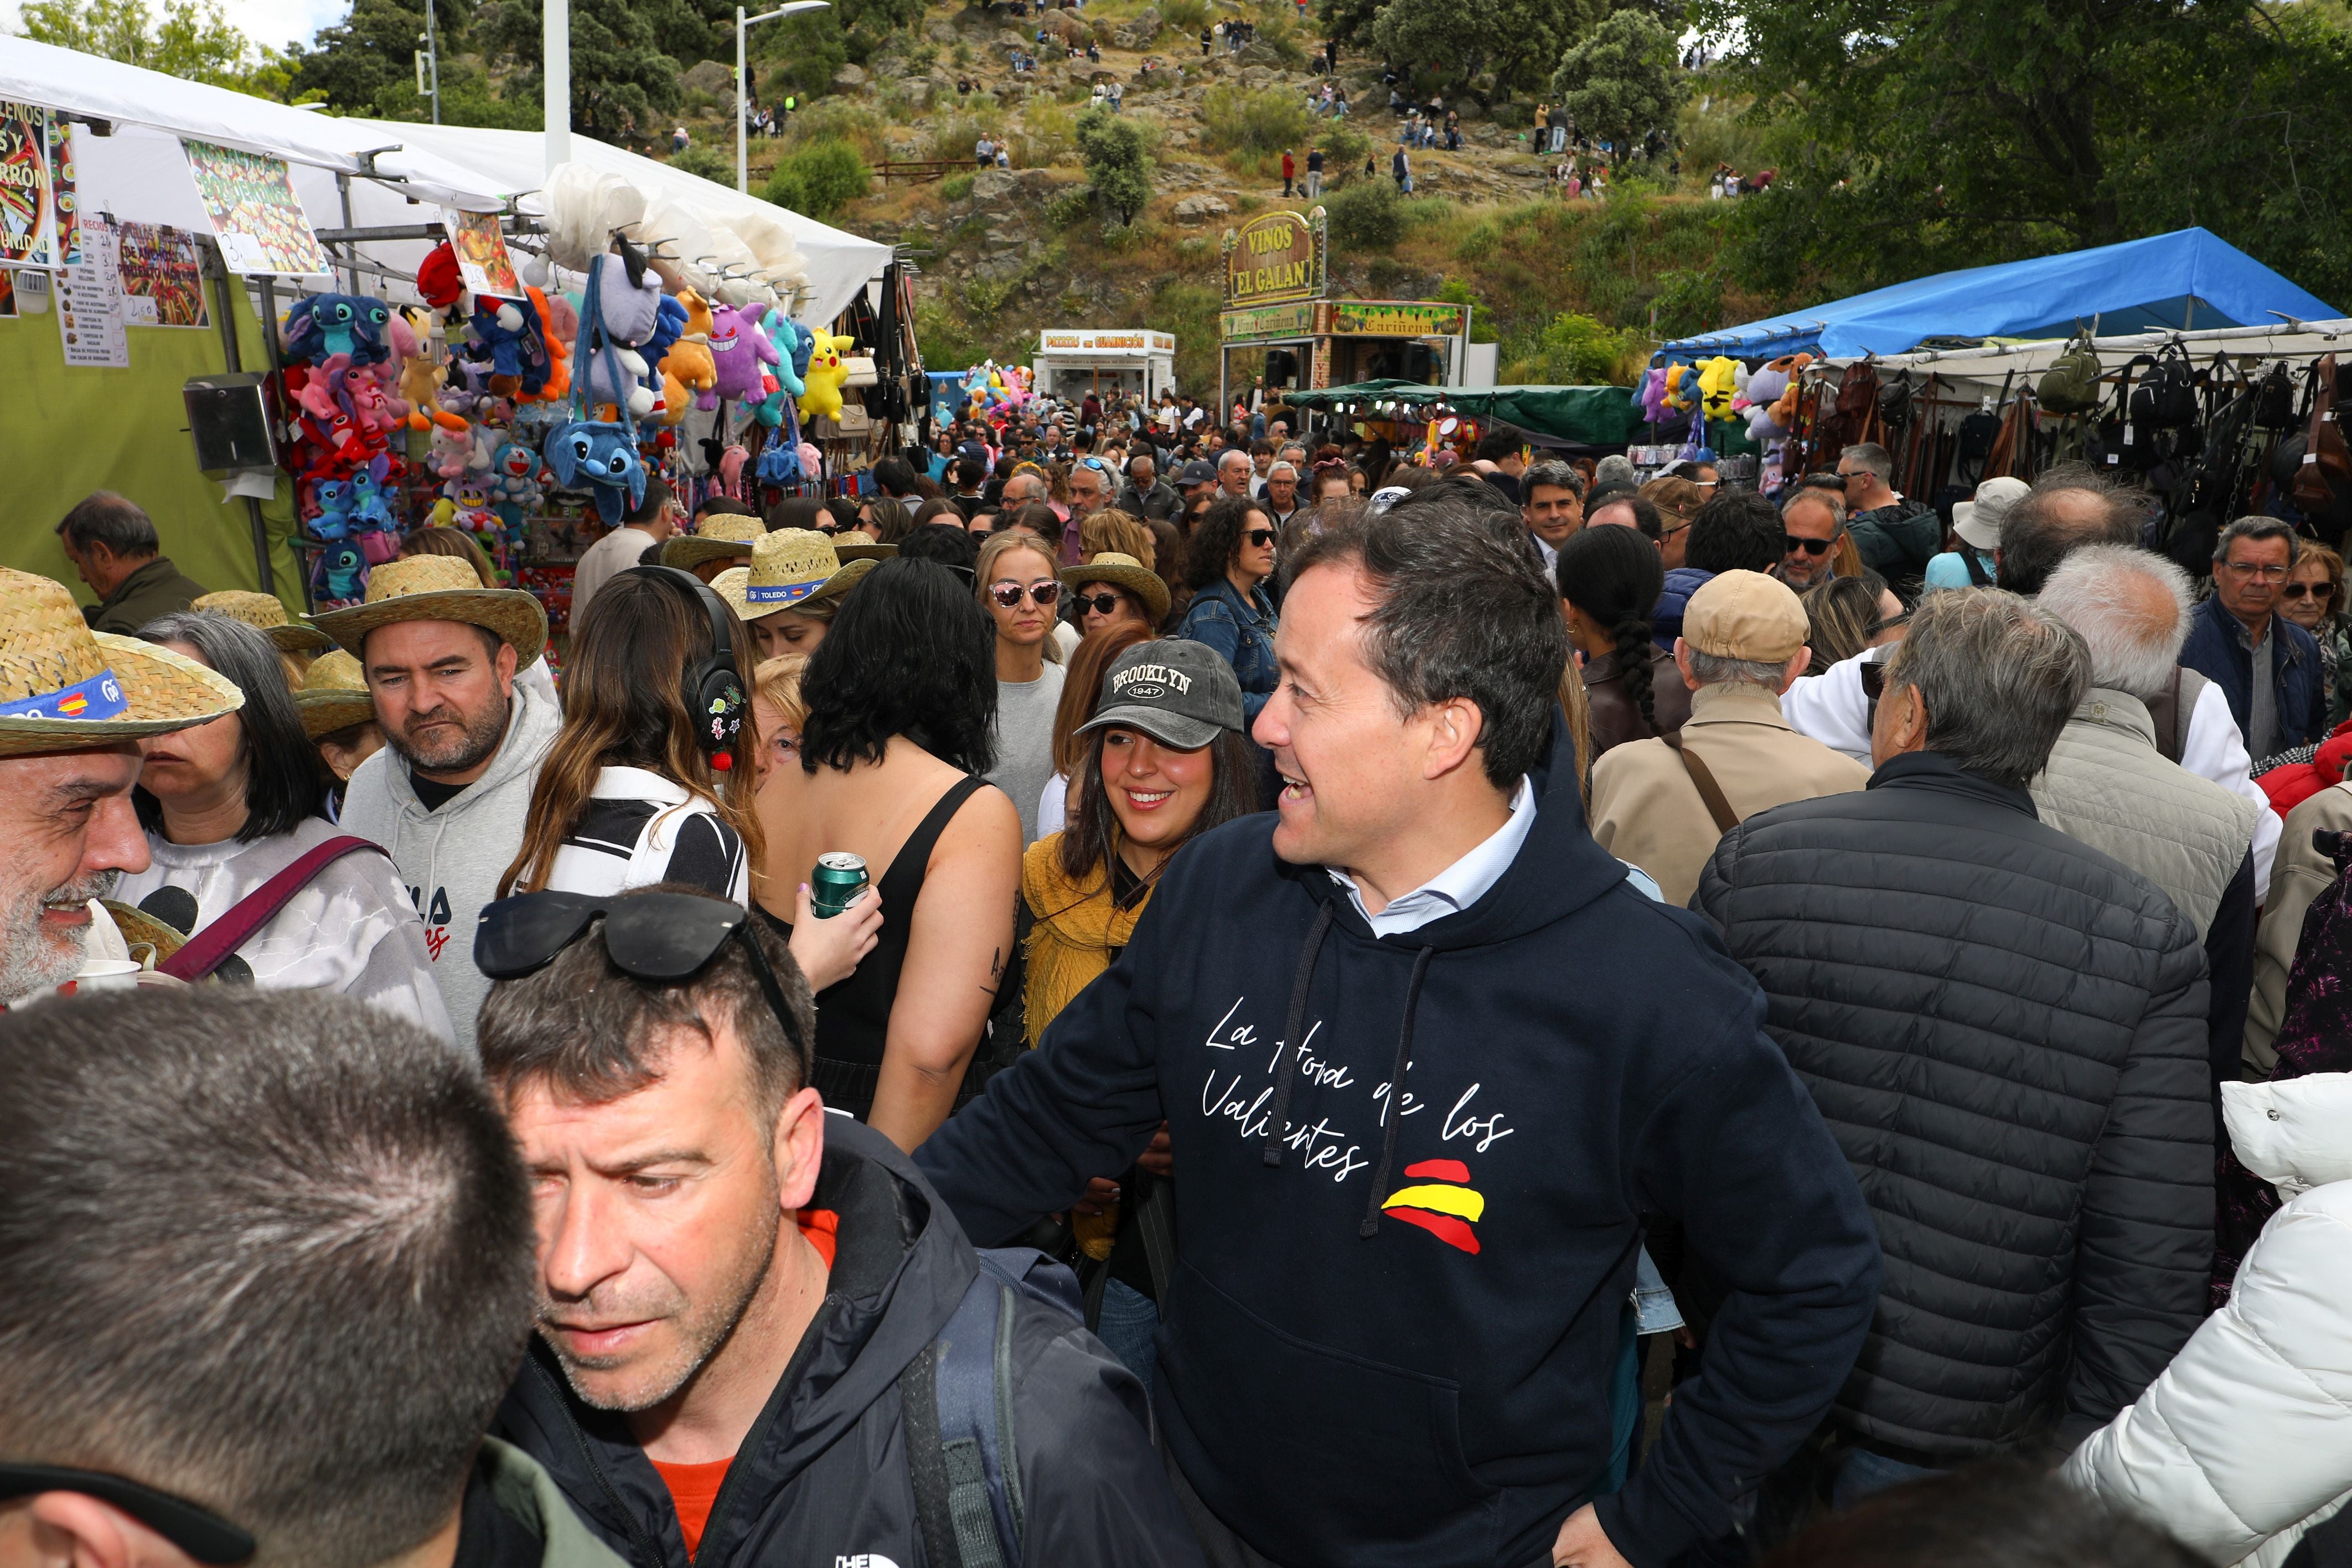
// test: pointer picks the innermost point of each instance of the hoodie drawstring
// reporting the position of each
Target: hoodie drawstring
(1291, 1037)
(1396, 1095)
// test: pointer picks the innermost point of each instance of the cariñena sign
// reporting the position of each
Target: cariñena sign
(1274, 257)
(1387, 319)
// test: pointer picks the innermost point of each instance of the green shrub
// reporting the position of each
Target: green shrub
(1067, 206)
(956, 187)
(820, 179)
(707, 162)
(1366, 215)
(1118, 167)
(1579, 352)
(962, 53)
(1187, 16)
(1344, 150)
(1237, 120)
(953, 136)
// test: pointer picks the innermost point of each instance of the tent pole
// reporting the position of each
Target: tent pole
(555, 74)
(224, 304)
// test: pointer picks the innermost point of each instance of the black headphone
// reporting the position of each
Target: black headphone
(714, 685)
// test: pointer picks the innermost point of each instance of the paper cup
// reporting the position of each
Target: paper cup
(107, 975)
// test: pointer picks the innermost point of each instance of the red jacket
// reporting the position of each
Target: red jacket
(1286, 166)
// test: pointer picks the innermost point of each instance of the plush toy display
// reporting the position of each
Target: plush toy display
(689, 358)
(438, 281)
(334, 498)
(602, 460)
(740, 351)
(319, 325)
(826, 373)
(515, 483)
(505, 336)
(341, 576)
(1720, 380)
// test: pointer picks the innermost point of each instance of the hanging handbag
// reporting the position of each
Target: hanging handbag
(2070, 384)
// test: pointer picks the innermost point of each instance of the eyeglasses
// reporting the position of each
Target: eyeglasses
(1678, 527)
(1008, 594)
(201, 1533)
(1100, 603)
(661, 936)
(1259, 538)
(1811, 546)
(2245, 569)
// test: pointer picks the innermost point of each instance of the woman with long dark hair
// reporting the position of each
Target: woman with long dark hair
(1228, 562)
(230, 804)
(901, 698)
(1610, 580)
(627, 796)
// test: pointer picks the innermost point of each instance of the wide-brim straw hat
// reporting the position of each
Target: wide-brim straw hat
(64, 687)
(858, 545)
(137, 925)
(440, 587)
(727, 534)
(791, 568)
(1123, 571)
(334, 695)
(266, 612)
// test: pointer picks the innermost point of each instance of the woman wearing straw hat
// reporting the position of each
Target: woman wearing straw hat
(338, 715)
(296, 645)
(74, 704)
(788, 594)
(463, 738)
(722, 541)
(1114, 588)
(230, 805)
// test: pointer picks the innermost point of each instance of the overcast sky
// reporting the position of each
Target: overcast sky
(272, 22)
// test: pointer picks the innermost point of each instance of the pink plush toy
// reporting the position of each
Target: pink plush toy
(730, 467)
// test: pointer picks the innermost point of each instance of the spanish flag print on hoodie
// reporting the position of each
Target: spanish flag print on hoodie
(1405, 1245)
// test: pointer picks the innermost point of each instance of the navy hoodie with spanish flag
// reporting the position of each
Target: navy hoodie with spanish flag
(1405, 1246)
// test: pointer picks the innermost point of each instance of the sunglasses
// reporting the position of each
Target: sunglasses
(1811, 546)
(1100, 603)
(1008, 594)
(660, 936)
(1259, 538)
(2307, 590)
(202, 1534)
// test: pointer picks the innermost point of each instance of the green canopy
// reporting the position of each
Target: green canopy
(1590, 417)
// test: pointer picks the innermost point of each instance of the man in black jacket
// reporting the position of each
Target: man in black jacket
(2006, 1031)
(1428, 1061)
(742, 1298)
(1896, 535)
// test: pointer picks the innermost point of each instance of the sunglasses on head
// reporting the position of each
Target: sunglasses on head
(1811, 546)
(201, 1533)
(665, 938)
(1259, 538)
(1008, 594)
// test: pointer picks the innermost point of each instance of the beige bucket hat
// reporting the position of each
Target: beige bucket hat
(791, 568)
(727, 534)
(63, 686)
(440, 587)
(334, 695)
(1123, 571)
(266, 612)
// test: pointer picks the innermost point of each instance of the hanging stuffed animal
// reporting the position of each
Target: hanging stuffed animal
(438, 281)
(689, 358)
(1719, 380)
(779, 466)
(515, 483)
(368, 509)
(549, 380)
(341, 576)
(453, 447)
(335, 499)
(603, 460)
(736, 348)
(826, 373)
(791, 352)
(319, 325)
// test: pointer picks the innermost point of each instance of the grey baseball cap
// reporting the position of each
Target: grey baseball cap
(1196, 472)
(1179, 693)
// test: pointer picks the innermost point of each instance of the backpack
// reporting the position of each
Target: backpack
(1978, 433)
(2125, 438)
(2275, 398)
(2070, 384)
(2167, 399)
(2324, 472)
(956, 1399)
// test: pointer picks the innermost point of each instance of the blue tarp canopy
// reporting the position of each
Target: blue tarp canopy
(2179, 281)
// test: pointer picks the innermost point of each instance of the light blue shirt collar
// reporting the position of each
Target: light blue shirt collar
(1459, 886)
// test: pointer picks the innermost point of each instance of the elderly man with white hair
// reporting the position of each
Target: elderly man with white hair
(1235, 471)
(2107, 786)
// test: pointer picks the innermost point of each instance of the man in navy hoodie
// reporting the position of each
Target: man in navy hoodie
(1397, 1331)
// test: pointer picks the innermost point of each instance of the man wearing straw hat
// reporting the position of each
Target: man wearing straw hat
(723, 540)
(73, 704)
(338, 715)
(788, 594)
(463, 740)
(296, 645)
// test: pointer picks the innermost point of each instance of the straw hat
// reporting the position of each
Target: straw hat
(334, 695)
(440, 587)
(726, 534)
(857, 544)
(790, 569)
(1123, 571)
(63, 686)
(265, 611)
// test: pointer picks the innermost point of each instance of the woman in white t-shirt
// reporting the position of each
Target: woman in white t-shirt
(230, 804)
(627, 796)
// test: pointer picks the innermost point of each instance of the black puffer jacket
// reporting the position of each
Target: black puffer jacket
(2005, 1030)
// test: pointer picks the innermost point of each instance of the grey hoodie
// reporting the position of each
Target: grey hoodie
(451, 859)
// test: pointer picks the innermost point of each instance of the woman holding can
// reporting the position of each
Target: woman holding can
(900, 713)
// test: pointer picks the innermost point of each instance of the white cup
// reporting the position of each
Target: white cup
(107, 975)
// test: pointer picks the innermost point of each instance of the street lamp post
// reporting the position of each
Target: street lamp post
(433, 58)
(555, 74)
(742, 98)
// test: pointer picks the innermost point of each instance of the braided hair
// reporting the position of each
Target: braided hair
(1614, 576)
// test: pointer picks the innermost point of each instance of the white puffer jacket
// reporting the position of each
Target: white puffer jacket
(2244, 1442)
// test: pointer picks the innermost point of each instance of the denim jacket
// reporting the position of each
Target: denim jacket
(1241, 631)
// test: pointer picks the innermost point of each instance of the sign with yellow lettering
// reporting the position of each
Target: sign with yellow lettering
(1274, 257)
(1395, 319)
(1270, 321)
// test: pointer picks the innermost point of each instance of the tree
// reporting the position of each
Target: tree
(819, 178)
(1618, 82)
(1488, 49)
(1119, 162)
(620, 77)
(369, 50)
(190, 39)
(1925, 134)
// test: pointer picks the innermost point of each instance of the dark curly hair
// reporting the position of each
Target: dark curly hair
(1740, 530)
(911, 654)
(1613, 575)
(1217, 538)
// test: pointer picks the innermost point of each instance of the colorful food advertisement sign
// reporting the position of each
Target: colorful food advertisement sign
(28, 212)
(482, 260)
(162, 277)
(255, 215)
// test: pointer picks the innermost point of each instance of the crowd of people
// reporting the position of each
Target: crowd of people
(735, 1106)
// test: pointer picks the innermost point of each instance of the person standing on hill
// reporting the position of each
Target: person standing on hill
(1288, 170)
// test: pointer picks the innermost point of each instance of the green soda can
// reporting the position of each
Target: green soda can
(838, 882)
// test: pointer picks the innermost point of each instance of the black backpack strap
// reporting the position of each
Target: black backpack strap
(1969, 559)
(926, 1463)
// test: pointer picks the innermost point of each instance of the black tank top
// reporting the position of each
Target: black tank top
(853, 1017)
